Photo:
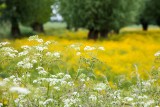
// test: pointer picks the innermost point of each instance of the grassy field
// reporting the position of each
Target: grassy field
(68, 70)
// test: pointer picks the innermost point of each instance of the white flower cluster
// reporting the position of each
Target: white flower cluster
(73, 99)
(21, 101)
(41, 48)
(101, 48)
(116, 95)
(76, 47)
(41, 71)
(70, 102)
(26, 50)
(20, 90)
(4, 44)
(93, 98)
(1, 104)
(36, 38)
(47, 43)
(26, 64)
(22, 53)
(90, 48)
(69, 95)
(157, 54)
(100, 87)
(78, 53)
(45, 103)
(128, 99)
(26, 47)
(26, 75)
(16, 81)
(2, 83)
(53, 54)
(8, 51)
(56, 54)
(82, 77)
(56, 81)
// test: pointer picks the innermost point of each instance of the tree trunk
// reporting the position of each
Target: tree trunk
(145, 26)
(38, 27)
(104, 33)
(76, 29)
(117, 31)
(15, 30)
(68, 27)
(158, 22)
(93, 34)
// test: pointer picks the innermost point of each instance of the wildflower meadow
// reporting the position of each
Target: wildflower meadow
(79, 53)
(48, 72)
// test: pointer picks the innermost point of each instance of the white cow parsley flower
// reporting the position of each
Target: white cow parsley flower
(157, 54)
(56, 54)
(100, 87)
(101, 48)
(89, 48)
(93, 98)
(20, 90)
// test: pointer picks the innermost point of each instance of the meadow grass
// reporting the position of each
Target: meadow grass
(66, 70)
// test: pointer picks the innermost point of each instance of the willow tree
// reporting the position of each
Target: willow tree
(72, 12)
(9, 13)
(155, 11)
(35, 13)
(146, 16)
(28, 12)
(150, 14)
(99, 16)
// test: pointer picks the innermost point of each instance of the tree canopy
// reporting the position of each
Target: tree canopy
(150, 13)
(155, 10)
(35, 12)
(146, 17)
(28, 12)
(99, 16)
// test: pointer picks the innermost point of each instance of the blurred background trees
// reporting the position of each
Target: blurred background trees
(156, 11)
(99, 16)
(32, 13)
(35, 13)
(9, 13)
(146, 16)
(150, 14)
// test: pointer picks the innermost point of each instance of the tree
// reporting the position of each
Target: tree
(99, 16)
(150, 14)
(71, 12)
(9, 12)
(155, 11)
(146, 16)
(35, 13)
(28, 12)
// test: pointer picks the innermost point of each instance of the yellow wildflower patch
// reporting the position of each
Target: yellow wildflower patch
(120, 55)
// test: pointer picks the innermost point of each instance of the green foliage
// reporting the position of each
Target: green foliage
(2, 6)
(146, 13)
(7, 9)
(31, 11)
(99, 14)
(25, 11)
(156, 10)
(151, 12)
